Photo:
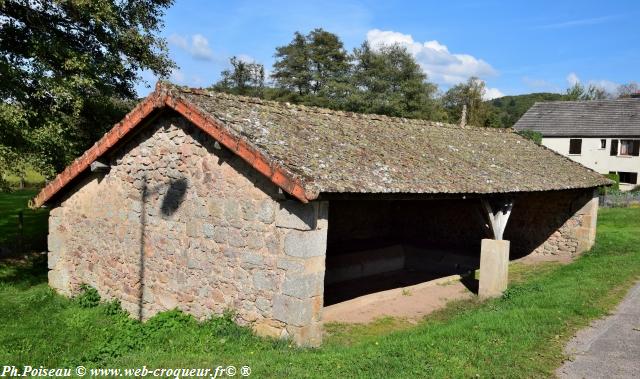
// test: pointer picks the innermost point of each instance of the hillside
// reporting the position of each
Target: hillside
(510, 108)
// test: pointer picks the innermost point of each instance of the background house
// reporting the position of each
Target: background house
(603, 135)
(205, 201)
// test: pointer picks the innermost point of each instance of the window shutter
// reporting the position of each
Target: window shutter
(636, 148)
(614, 147)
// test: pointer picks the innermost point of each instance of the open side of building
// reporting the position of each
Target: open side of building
(207, 202)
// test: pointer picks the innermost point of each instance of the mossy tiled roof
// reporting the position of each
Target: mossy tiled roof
(308, 151)
(332, 151)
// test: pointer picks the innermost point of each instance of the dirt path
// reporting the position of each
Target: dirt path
(610, 347)
(410, 303)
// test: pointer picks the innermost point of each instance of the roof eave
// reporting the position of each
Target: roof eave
(162, 97)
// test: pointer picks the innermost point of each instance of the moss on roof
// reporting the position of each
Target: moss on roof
(333, 151)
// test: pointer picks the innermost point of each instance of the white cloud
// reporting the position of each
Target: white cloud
(198, 48)
(435, 58)
(492, 93)
(607, 85)
(573, 79)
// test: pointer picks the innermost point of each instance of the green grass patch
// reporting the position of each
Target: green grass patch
(520, 335)
(32, 179)
(34, 232)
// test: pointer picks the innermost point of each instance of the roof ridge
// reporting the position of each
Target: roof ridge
(322, 110)
(626, 99)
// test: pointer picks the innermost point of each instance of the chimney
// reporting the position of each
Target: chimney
(463, 117)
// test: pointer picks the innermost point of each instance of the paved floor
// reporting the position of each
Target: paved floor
(610, 347)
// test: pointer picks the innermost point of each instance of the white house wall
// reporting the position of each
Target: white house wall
(595, 157)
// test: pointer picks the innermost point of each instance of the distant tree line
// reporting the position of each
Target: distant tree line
(69, 68)
(315, 69)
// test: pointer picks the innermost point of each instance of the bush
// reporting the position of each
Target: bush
(532, 135)
(88, 297)
(614, 188)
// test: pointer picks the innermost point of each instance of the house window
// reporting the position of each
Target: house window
(629, 147)
(575, 146)
(603, 143)
(628, 177)
(614, 148)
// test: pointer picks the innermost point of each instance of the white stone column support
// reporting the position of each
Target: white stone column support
(494, 268)
(494, 253)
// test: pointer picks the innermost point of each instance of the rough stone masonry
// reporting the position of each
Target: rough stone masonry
(180, 222)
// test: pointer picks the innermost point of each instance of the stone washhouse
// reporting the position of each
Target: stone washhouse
(206, 202)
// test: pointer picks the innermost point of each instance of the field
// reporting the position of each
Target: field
(519, 335)
(34, 232)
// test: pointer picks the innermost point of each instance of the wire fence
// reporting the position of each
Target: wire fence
(620, 200)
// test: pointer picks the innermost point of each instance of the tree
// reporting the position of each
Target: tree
(592, 92)
(627, 90)
(292, 69)
(64, 60)
(311, 64)
(244, 78)
(387, 80)
(469, 95)
(329, 60)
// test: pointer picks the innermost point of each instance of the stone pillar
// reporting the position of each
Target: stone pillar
(303, 228)
(494, 268)
(586, 231)
(59, 277)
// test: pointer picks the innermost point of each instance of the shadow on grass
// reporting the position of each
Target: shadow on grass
(27, 271)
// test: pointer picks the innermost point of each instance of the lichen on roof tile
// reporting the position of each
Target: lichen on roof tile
(333, 151)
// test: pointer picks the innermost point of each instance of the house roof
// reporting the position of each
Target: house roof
(307, 150)
(595, 118)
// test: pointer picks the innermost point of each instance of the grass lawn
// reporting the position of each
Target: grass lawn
(35, 221)
(519, 335)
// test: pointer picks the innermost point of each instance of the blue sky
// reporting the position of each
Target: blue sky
(514, 46)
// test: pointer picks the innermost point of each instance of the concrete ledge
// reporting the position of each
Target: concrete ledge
(386, 295)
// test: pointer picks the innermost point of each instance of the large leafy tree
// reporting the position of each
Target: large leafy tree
(311, 65)
(67, 68)
(468, 96)
(387, 80)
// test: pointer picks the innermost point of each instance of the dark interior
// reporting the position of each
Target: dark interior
(375, 245)
(379, 245)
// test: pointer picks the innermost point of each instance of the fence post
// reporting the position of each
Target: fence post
(20, 231)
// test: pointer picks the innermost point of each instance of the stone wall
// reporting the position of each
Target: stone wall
(179, 222)
(554, 222)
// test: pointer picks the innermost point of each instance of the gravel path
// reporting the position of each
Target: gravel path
(610, 347)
